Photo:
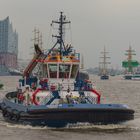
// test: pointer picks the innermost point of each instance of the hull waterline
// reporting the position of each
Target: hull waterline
(61, 115)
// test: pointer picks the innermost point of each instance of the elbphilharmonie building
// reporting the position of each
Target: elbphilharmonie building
(8, 46)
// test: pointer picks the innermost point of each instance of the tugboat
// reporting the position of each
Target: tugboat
(103, 69)
(60, 94)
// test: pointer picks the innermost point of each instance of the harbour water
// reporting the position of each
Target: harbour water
(114, 90)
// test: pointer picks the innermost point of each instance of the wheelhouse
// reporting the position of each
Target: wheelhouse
(55, 70)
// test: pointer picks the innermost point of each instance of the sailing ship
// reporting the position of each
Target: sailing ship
(60, 94)
(130, 65)
(103, 65)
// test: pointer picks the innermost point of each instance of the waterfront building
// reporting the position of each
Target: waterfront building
(8, 46)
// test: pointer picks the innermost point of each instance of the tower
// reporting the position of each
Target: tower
(8, 46)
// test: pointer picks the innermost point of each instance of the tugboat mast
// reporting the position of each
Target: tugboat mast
(62, 20)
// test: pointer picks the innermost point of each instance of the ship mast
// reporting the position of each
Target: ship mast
(61, 22)
(130, 53)
(37, 38)
(104, 62)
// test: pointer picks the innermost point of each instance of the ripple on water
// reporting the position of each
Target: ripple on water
(80, 127)
(112, 91)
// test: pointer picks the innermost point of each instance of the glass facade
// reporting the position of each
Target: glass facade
(8, 37)
(8, 44)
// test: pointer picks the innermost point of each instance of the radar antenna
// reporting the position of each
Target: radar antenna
(61, 22)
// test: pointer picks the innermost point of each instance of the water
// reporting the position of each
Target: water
(114, 90)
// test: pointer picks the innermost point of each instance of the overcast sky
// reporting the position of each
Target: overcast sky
(95, 23)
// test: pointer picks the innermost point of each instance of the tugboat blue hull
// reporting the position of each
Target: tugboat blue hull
(62, 114)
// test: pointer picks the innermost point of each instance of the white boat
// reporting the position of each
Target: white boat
(128, 76)
(136, 76)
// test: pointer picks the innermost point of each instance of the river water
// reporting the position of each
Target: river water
(114, 90)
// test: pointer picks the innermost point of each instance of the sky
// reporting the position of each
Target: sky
(114, 24)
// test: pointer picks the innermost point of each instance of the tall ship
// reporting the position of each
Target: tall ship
(130, 65)
(59, 94)
(104, 75)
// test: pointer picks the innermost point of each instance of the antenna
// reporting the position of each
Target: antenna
(60, 38)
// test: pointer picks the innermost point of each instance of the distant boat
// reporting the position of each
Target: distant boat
(129, 65)
(136, 76)
(104, 77)
(128, 76)
(15, 72)
(112, 74)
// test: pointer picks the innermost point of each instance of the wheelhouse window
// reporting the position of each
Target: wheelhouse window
(74, 70)
(64, 70)
(52, 70)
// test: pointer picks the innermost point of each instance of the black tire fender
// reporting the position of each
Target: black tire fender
(16, 114)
